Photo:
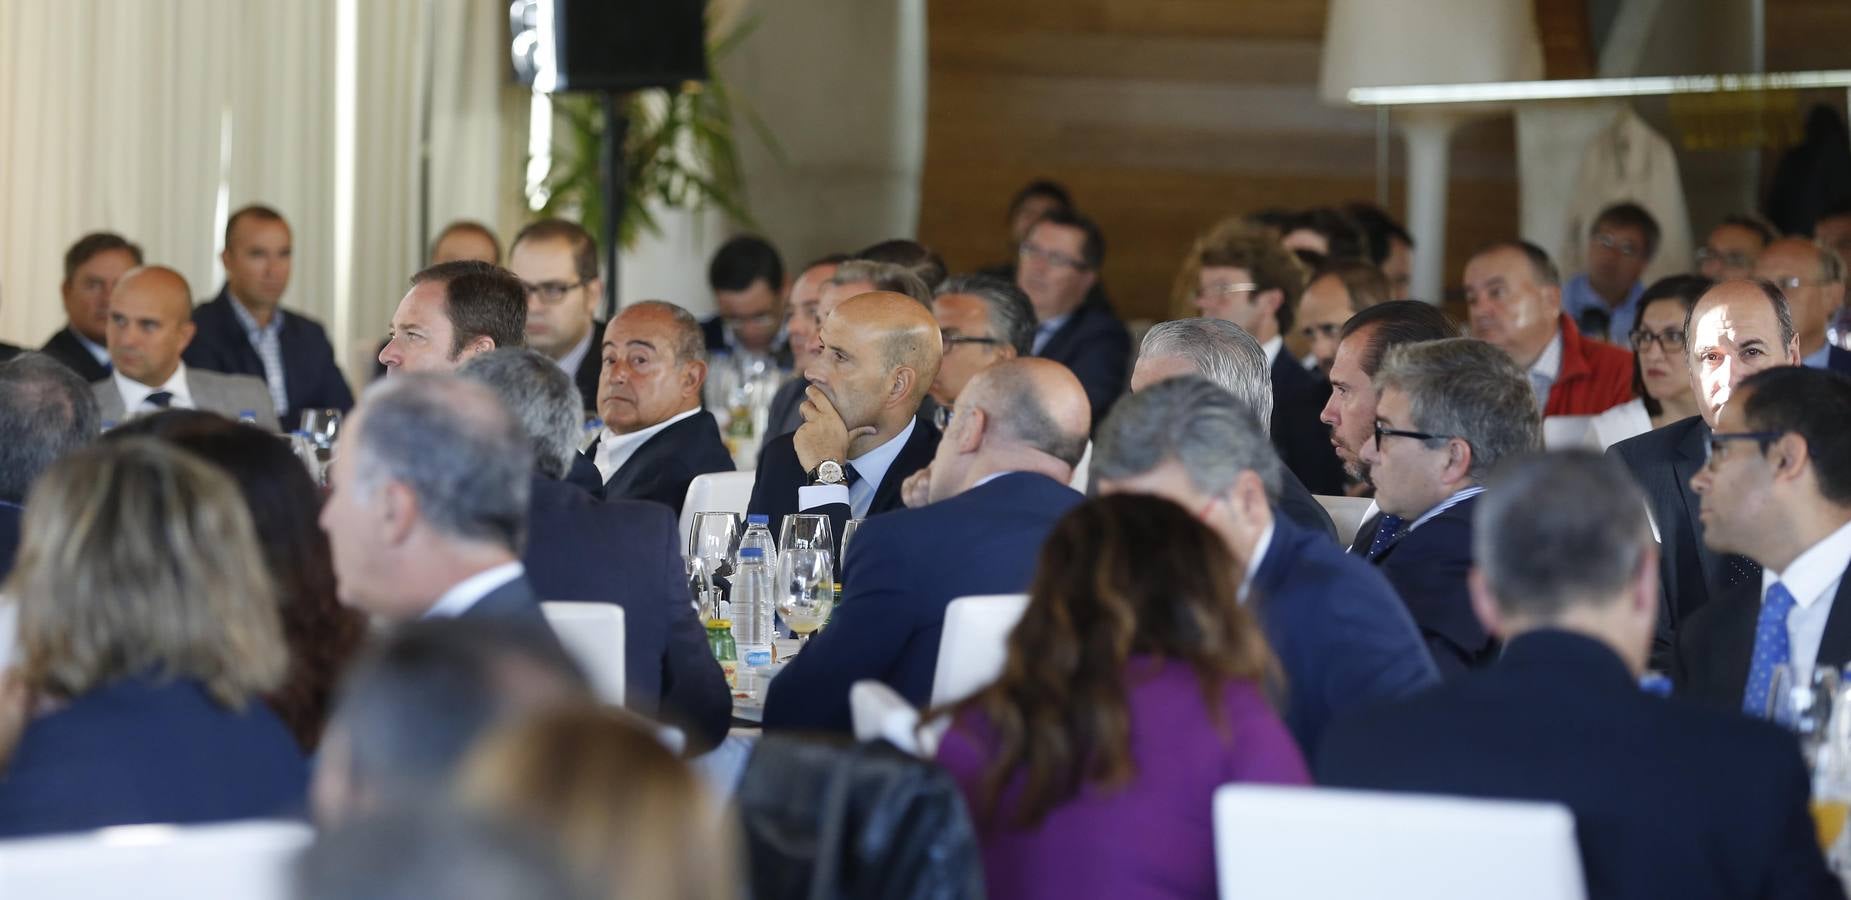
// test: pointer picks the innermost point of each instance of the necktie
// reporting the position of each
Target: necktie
(1385, 533)
(160, 399)
(1770, 648)
(849, 476)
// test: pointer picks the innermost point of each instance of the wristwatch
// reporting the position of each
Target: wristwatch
(827, 472)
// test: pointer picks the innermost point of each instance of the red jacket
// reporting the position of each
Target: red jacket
(1595, 376)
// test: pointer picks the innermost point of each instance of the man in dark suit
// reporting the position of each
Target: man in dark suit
(427, 505)
(1777, 489)
(1343, 638)
(993, 492)
(1447, 412)
(1059, 265)
(557, 261)
(1813, 280)
(1365, 338)
(814, 295)
(625, 552)
(747, 279)
(656, 437)
(245, 330)
(1223, 353)
(1669, 800)
(1735, 329)
(862, 435)
(46, 412)
(91, 268)
(1245, 276)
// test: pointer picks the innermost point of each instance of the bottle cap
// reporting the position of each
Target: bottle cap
(746, 553)
(758, 519)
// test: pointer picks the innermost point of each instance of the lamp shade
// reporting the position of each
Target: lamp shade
(1373, 43)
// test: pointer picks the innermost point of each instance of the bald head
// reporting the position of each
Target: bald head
(1736, 329)
(1019, 415)
(1812, 278)
(880, 352)
(150, 323)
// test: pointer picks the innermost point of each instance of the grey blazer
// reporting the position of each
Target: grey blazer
(227, 395)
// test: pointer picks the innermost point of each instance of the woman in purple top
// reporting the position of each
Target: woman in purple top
(1131, 691)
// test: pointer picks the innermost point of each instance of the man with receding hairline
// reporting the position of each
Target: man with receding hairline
(1813, 279)
(995, 488)
(150, 326)
(861, 435)
(1515, 297)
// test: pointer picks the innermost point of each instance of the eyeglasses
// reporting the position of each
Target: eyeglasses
(1718, 440)
(1624, 248)
(551, 291)
(1030, 251)
(1382, 432)
(1223, 290)
(1329, 330)
(1795, 282)
(1670, 340)
(952, 340)
(1734, 260)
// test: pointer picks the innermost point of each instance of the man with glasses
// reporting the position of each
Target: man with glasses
(747, 279)
(1775, 487)
(983, 321)
(557, 262)
(1514, 295)
(1246, 277)
(1733, 247)
(1447, 412)
(1604, 300)
(1736, 329)
(1813, 279)
(1057, 266)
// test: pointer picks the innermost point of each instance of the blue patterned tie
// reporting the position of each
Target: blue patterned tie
(1770, 648)
(1384, 533)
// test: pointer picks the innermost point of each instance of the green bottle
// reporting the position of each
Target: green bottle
(720, 641)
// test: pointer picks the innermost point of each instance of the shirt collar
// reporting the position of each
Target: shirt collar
(250, 322)
(1549, 364)
(1260, 548)
(97, 351)
(872, 466)
(987, 478)
(470, 591)
(1815, 571)
(1820, 358)
(1463, 494)
(611, 441)
(134, 393)
(1272, 347)
(576, 357)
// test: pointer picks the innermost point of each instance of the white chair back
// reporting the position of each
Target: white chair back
(1348, 513)
(973, 645)
(1566, 432)
(1083, 472)
(1277, 843)
(715, 492)
(878, 712)
(593, 634)
(247, 860)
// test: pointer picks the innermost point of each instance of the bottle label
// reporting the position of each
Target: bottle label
(758, 657)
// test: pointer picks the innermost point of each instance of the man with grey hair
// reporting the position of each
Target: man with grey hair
(46, 412)
(855, 276)
(1662, 793)
(1342, 636)
(656, 438)
(427, 509)
(1447, 412)
(1224, 353)
(623, 552)
(984, 320)
(995, 488)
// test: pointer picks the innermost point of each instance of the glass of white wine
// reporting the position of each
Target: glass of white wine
(805, 590)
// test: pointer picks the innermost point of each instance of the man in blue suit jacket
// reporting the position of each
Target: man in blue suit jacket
(1447, 412)
(994, 490)
(245, 331)
(1058, 270)
(1669, 800)
(1342, 637)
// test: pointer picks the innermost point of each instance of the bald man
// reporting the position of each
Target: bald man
(150, 325)
(862, 434)
(997, 485)
(1813, 278)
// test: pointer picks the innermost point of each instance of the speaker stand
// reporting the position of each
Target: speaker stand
(611, 174)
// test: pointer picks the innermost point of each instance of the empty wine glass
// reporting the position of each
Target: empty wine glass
(713, 539)
(1803, 708)
(806, 531)
(805, 590)
(322, 426)
(849, 529)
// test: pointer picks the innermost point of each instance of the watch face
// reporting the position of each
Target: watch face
(829, 471)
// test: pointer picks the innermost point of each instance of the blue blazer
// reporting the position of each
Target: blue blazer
(1342, 636)
(142, 750)
(311, 378)
(1428, 566)
(663, 467)
(628, 552)
(908, 566)
(1304, 442)
(774, 491)
(1670, 800)
(1095, 345)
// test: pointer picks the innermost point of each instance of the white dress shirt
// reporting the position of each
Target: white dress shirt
(135, 394)
(466, 593)
(576, 357)
(616, 449)
(1271, 348)
(1545, 370)
(872, 466)
(1812, 578)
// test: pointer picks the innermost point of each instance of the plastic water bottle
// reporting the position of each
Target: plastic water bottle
(758, 534)
(247, 416)
(753, 607)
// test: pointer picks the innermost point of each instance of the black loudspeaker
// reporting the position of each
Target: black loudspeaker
(608, 45)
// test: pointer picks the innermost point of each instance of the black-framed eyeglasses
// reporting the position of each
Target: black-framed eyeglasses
(1670, 340)
(1733, 259)
(551, 291)
(952, 340)
(1719, 439)
(1382, 431)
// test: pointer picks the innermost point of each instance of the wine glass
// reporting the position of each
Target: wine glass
(849, 529)
(805, 590)
(322, 426)
(1803, 708)
(713, 539)
(806, 531)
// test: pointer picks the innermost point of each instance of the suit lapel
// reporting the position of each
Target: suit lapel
(1690, 458)
(1835, 646)
(911, 458)
(1366, 536)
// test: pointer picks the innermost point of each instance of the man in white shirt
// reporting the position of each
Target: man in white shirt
(427, 507)
(1777, 489)
(150, 324)
(656, 438)
(557, 262)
